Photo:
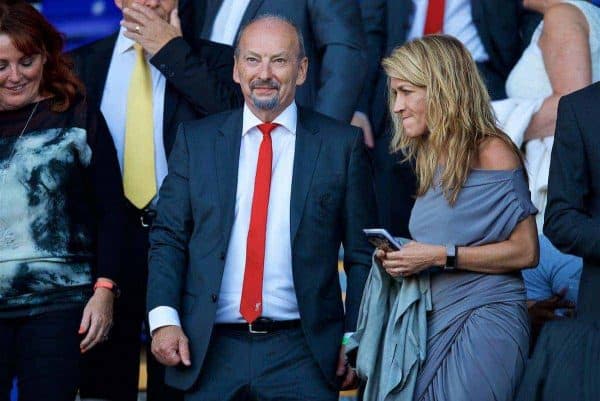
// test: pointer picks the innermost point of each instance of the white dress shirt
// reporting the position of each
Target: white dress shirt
(279, 296)
(228, 20)
(458, 22)
(114, 103)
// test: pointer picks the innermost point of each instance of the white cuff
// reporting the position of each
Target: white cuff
(163, 316)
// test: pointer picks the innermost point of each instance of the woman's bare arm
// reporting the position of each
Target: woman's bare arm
(566, 51)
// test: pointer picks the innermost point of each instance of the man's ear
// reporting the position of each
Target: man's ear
(236, 74)
(302, 71)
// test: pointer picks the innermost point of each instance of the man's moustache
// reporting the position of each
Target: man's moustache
(264, 85)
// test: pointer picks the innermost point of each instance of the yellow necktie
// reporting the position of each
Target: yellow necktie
(139, 177)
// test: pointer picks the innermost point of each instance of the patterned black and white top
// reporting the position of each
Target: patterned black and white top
(60, 208)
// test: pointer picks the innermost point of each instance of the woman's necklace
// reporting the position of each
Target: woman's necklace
(7, 238)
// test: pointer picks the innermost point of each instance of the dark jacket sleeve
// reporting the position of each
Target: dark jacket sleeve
(201, 73)
(373, 14)
(359, 213)
(567, 223)
(107, 192)
(167, 259)
(339, 38)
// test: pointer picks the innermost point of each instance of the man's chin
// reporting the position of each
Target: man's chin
(265, 103)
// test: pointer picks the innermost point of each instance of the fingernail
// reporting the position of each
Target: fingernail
(81, 329)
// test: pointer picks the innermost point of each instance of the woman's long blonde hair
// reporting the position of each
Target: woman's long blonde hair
(458, 111)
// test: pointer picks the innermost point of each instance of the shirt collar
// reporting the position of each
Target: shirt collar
(288, 119)
(123, 43)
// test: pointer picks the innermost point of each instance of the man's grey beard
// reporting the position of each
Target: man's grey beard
(268, 104)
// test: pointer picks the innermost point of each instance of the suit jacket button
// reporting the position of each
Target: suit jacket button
(222, 256)
(214, 297)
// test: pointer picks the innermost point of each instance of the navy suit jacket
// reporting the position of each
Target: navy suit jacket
(333, 39)
(331, 202)
(572, 219)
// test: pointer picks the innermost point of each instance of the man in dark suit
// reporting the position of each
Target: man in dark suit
(243, 292)
(564, 364)
(490, 29)
(572, 220)
(189, 79)
(333, 41)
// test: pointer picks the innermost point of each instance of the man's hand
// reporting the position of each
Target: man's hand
(344, 371)
(544, 310)
(360, 120)
(148, 29)
(170, 346)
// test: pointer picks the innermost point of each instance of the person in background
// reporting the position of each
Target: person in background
(333, 41)
(146, 79)
(244, 298)
(473, 227)
(552, 286)
(563, 56)
(564, 365)
(60, 213)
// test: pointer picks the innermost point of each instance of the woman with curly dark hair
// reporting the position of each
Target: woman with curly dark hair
(59, 178)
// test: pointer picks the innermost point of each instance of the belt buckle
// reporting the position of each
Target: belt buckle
(149, 213)
(251, 330)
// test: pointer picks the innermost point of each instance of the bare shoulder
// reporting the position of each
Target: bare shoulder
(564, 16)
(496, 154)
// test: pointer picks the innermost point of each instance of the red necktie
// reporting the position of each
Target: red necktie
(251, 302)
(435, 17)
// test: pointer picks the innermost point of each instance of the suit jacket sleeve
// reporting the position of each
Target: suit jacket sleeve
(359, 212)
(201, 73)
(339, 38)
(373, 14)
(107, 190)
(567, 223)
(167, 259)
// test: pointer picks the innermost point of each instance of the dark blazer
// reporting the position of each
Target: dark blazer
(572, 220)
(333, 38)
(199, 79)
(331, 202)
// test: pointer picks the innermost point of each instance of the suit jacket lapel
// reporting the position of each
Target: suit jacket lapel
(227, 156)
(96, 67)
(308, 145)
(172, 100)
(402, 12)
(250, 13)
(210, 13)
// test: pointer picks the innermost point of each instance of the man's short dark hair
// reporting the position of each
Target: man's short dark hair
(276, 17)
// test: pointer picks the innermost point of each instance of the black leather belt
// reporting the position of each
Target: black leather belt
(147, 217)
(261, 325)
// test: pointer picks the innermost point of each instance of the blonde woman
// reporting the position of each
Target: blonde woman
(472, 222)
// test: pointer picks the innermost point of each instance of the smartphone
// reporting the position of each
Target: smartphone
(382, 239)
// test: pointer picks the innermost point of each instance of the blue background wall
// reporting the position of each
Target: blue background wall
(82, 21)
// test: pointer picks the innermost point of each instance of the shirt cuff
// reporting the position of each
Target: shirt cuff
(163, 316)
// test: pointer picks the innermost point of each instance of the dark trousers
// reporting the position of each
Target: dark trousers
(111, 370)
(278, 366)
(42, 351)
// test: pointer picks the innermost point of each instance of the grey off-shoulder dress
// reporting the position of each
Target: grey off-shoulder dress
(478, 328)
